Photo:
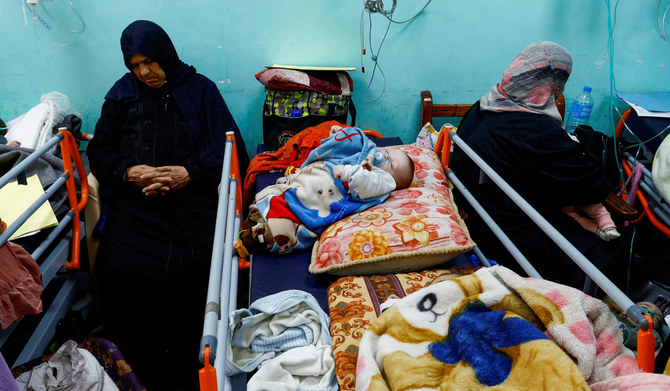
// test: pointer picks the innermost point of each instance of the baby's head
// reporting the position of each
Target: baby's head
(400, 166)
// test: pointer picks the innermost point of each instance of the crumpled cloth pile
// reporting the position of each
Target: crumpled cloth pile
(69, 369)
(286, 337)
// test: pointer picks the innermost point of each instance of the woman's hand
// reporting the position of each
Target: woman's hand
(156, 181)
(179, 177)
(151, 180)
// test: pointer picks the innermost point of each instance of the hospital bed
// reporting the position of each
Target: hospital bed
(57, 249)
(279, 273)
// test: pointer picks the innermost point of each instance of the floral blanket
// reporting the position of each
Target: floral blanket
(493, 329)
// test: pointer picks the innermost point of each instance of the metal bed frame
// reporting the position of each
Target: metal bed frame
(223, 277)
(636, 314)
(222, 295)
(53, 250)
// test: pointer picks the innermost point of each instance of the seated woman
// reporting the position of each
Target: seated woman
(344, 175)
(517, 129)
(157, 152)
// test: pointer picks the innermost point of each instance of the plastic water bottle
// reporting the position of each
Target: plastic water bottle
(580, 111)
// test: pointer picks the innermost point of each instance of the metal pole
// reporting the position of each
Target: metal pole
(226, 280)
(497, 231)
(635, 313)
(11, 174)
(212, 310)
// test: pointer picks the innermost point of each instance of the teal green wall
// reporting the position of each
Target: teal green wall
(456, 48)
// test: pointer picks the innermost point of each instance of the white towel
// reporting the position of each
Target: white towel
(34, 128)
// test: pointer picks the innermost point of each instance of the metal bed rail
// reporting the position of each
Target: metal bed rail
(656, 210)
(659, 207)
(55, 256)
(635, 313)
(223, 276)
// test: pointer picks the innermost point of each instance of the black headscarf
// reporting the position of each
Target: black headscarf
(198, 98)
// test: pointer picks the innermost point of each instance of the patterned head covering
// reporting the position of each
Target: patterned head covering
(532, 81)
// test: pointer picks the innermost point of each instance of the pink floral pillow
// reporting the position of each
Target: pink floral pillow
(414, 229)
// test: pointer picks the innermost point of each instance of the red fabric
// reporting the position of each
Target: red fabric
(20, 284)
(325, 82)
(293, 153)
(279, 209)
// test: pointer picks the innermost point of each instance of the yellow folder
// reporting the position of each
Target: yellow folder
(15, 199)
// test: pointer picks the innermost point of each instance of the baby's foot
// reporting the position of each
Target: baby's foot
(608, 234)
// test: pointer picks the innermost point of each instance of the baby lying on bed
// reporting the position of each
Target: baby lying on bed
(344, 175)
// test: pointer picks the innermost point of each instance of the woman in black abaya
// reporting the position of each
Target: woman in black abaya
(157, 152)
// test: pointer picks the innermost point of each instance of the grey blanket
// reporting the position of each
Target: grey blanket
(48, 168)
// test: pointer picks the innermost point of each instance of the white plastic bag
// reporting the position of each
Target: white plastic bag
(34, 128)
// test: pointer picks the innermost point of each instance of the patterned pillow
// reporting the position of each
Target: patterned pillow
(354, 303)
(415, 228)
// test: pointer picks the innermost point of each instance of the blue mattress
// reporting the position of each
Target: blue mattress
(272, 273)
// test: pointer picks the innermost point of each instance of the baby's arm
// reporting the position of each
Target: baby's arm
(365, 183)
(598, 221)
(586, 222)
(606, 227)
(600, 215)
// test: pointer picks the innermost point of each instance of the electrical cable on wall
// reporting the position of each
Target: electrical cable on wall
(377, 6)
(375, 58)
(612, 91)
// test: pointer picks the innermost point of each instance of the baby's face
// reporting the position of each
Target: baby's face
(397, 163)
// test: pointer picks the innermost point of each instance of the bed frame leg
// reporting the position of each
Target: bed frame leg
(645, 347)
(207, 375)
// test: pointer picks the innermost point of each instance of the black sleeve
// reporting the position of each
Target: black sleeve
(104, 150)
(549, 163)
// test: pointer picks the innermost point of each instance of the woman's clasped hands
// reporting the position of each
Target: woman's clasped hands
(156, 181)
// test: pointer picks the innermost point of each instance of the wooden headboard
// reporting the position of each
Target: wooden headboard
(430, 110)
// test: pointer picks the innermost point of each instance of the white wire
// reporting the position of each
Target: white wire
(25, 15)
(377, 6)
(37, 19)
(362, 36)
(83, 23)
(661, 32)
(411, 17)
(375, 58)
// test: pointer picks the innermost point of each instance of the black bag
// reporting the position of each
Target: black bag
(606, 151)
(285, 113)
(73, 125)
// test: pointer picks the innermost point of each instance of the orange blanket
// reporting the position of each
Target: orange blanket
(293, 153)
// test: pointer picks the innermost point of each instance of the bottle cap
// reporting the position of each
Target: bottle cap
(587, 88)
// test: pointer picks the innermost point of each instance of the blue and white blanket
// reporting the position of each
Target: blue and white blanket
(302, 205)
